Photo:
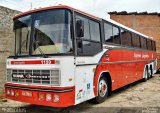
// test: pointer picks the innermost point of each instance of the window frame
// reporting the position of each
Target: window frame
(137, 35)
(88, 40)
(113, 25)
(131, 38)
(148, 48)
(141, 37)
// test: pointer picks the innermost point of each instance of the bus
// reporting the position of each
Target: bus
(64, 56)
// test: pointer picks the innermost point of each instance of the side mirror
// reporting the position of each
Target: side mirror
(80, 28)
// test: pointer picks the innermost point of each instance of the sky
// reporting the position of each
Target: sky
(96, 7)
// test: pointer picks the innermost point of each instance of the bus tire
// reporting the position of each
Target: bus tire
(146, 75)
(103, 90)
(151, 73)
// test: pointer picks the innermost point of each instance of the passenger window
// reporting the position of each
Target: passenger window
(149, 45)
(108, 33)
(90, 44)
(94, 30)
(112, 34)
(143, 43)
(154, 45)
(136, 41)
(86, 47)
(116, 35)
(126, 38)
(86, 27)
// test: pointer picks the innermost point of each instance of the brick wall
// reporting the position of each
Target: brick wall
(146, 24)
(6, 40)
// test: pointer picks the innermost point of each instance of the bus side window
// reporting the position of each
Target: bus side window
(108, 33)
(153, 46)
(86, 27)
(94, 31)
(135, 40)
(91, 39)
(126, 38)
(116, 35)
(112, 34)
(143, 43)
(149, 45)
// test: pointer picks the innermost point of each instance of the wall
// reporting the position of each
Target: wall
(6, 40)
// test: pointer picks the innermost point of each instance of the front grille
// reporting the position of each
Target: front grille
(42, 77)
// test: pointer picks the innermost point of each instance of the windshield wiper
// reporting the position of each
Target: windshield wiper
(40, 50)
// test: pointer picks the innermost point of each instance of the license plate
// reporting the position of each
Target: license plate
(27, 93)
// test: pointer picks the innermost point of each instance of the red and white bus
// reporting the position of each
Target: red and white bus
(64, 56)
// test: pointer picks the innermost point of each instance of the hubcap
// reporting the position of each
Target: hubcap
(102, 88)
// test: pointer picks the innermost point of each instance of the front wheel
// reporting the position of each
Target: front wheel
(102, 90)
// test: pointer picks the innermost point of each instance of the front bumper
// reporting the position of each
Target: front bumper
(38, 95)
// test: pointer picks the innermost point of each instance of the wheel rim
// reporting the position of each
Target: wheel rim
(102, 88)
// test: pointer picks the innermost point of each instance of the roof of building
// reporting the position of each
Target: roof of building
(133, 13)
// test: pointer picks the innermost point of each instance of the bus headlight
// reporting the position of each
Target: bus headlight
(41, 96)
(16, 93)
(48, 97)
(8, 92)
(12, 92)
(56, 98)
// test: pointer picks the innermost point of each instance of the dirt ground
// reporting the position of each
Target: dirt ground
(139, 97)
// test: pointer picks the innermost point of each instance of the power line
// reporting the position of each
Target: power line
(31, 5)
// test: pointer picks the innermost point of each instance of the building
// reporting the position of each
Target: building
(6, 40)
(144, 22)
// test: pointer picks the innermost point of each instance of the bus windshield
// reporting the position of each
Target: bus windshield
(47, 31)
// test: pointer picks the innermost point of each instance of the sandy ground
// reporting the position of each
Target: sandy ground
(140, 97)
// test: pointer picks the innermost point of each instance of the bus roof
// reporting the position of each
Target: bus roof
(89, 15)
(56, 7)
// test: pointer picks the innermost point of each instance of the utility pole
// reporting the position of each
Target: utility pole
(31, 6)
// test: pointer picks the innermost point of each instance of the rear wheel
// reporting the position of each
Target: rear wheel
(102, 90)
(151, 73)
(146, 77)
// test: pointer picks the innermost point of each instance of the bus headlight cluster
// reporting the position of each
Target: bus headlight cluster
(12, 92)
(48, 97)
(8, 92)
(56, 98)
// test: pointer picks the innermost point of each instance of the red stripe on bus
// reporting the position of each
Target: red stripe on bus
(33, 62)
(55, 7)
